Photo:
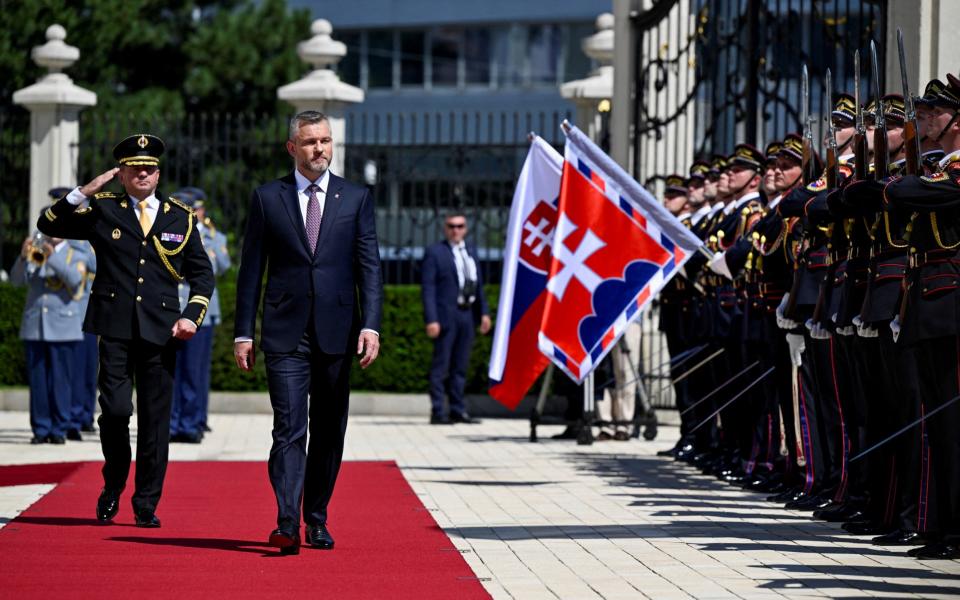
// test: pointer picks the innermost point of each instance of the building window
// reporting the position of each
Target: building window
(577, 65)
(412, 58)
(349, 67)
(445, 55)
(476, 56)
(543, 50)
(380, 59)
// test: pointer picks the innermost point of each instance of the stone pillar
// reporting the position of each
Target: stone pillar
(321, 89)
(54, 103)
(592, 95)
(929, 32)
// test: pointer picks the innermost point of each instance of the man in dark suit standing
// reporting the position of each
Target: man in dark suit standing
(145, 246)
(315, 235)
(453, 307)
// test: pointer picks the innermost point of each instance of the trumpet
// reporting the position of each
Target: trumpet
(36, 254)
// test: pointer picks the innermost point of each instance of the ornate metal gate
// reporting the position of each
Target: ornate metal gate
(713, 73)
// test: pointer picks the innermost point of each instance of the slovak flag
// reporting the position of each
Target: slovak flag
(515, 360)
(613, 248)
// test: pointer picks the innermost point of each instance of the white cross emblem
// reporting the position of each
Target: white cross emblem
(574, 262)
(537, 238)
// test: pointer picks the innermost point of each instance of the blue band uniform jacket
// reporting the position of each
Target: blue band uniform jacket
(135, 291)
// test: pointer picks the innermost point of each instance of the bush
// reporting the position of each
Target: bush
(402, 366)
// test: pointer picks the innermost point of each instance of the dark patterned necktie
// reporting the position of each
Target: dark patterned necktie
(313, 216)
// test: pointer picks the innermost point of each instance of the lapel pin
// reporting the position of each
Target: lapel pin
(123, 204)
(116, 234)
(166, 207)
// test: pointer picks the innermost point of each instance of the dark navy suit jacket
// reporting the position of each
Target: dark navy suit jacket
(440, 286)
(340, 283)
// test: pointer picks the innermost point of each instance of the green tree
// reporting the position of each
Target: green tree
(157, 57)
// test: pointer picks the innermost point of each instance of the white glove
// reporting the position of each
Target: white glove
(718, 264)
(864, 330)
(782, 321)
(797, 346)
(817, 331)
(895, 327)
(848, 330)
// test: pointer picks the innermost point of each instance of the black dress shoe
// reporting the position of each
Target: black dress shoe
(87, 428)
(936, 551)
(866, 528)
(74, 435)
(900, 537)
(56, 439)
(570, 433)
(108, 504)
(206, 428)
(286, 539)
(146, 518)
(187, 438)
(810, 503)
(319, 537)
(839, 513)
(463, 418)
(39, 439)
(439, 420)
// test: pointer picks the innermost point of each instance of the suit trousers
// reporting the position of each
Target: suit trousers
(50, 371)
(84, 393)
(451, 356)
(123, 363)
(191, 383)
(619, 402)
(309, 391)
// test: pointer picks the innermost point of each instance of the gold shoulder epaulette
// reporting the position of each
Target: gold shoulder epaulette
(180, 204)
(936, 177)
(106, 195)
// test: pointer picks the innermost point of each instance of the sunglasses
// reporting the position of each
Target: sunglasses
(456, 225)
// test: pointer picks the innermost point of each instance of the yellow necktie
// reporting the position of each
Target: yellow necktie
(145, 222)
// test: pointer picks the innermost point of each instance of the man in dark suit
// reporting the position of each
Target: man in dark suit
(144, 246)
(453, 306)
(323, 298)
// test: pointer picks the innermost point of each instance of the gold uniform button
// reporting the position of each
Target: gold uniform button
(139, 279)
(143, 262)
(139, 298)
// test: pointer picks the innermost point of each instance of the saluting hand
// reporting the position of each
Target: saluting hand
(184, 329)
(98, 182)
(369, 347)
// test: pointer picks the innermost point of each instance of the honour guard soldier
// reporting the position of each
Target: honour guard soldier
(51, 330)
(191, 393)
(145, 245)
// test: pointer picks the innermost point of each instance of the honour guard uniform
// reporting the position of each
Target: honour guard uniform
(144, 248)
(51, 330)
(191, 393)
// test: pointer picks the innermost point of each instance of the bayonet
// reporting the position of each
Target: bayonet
(911, 141)
(860, 137)
(881, 155)
(833, 173)
(809, 165)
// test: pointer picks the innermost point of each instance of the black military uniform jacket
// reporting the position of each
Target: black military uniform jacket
(932, 300)
(135, 292)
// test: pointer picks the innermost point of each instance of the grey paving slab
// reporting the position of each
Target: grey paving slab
(555, 520)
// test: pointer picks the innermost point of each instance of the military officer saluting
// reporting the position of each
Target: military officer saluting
(145, 246)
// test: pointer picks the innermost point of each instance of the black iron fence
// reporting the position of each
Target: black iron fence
(417, 165)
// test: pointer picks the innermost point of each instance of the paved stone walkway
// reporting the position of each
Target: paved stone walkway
(557, 520)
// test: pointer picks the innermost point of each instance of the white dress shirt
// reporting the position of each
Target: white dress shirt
(466, 268)
(303, 183)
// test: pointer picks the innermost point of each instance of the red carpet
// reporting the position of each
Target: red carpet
(216, 518)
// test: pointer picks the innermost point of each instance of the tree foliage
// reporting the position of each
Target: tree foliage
(153, 57)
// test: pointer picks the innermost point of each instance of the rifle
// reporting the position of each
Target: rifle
(911, 141)
(833, 168)
(881, 154)
(809, 163)
(859, 138)
(809, 175)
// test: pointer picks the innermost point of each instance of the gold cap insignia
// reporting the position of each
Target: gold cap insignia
(116, 234)
(142, 141)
